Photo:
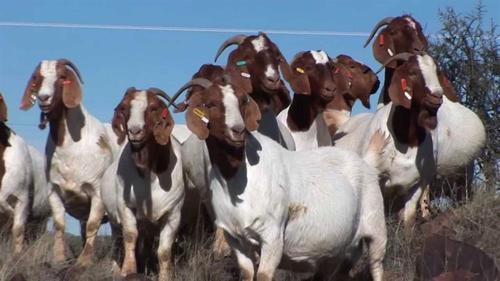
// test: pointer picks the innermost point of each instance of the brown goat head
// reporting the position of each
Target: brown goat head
(415, 84)
(261, 57)
(356, 81)
(318, 68)
(54, 83)
(3, 109)
(401, 34)
(143, 116)
(224, 112)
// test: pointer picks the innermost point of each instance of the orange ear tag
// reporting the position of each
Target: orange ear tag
(381, 39)
(164, 113)
(198, 112)
(300, 70)
(67, 82)
(404, 87)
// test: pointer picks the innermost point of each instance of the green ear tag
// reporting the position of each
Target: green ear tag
(241, 63)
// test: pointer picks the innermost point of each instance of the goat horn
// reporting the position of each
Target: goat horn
(384, 21)
(67, 62)
(401, 56)
(235, 40)
(203, 82)
(164, 95)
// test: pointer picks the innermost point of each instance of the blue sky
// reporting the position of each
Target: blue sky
(112, 60)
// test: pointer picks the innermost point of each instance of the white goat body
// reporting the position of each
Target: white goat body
(307, 205)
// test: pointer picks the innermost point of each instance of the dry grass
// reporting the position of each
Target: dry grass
(477, 222)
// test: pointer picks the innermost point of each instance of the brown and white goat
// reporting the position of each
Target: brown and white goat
(263, 59)
(257, 190)
(304, 118)
(78, 151)
(409, 162)
(145, 186)
(454, 149)
(355, 81)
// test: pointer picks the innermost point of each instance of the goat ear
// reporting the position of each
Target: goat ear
(251, 114)
(3, 109)
(118, 125)
(238, 78)
(383, 48)
(397, 93)
(195, 123)
(448, 89)
(29, 96)
(281, 99)
(72, 92)
(163, 127)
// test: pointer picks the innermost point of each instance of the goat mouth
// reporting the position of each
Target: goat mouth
(44, 107)
(137, 143)
(236, 141)
(270, 87)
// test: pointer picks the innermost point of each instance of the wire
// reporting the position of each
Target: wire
(180, 29)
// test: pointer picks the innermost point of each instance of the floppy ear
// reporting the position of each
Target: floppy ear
(448, 89)
(237, 75)
(195, 124)
(29, 96)
(396, 92)
(252, 114)
(3, 110)
(383, 48)
(72, 92)
(118, 125)
(163, 127)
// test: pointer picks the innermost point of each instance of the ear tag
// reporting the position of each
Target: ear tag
(404, 87)
(67, 82)
(32, 98)
(33, 85)
(201, 115)
(381, 39)
(389, 51)
(164, 113)
(246, 75)
(300, 70)
(241, 63)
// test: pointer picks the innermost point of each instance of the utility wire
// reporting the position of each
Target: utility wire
(180, 29)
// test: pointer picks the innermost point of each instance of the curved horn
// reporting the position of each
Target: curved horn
(235, 40)
(203, 82)
(67, 62)
(384, 21)
(401, 56)
(165, 96)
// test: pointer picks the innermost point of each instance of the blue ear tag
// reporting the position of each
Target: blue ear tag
(241, 63)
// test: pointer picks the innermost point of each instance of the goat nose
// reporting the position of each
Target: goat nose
(43, 97)
(273, 79)
(134, 130)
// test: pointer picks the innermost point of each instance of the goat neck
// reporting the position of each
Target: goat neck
(226, 157)
(302, 112)
(65, 122)
(337, 112)
(152, 157)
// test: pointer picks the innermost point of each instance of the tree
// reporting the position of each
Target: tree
(467, 50)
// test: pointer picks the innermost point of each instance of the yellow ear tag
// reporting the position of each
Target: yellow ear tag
(300, 70)
(201, 115)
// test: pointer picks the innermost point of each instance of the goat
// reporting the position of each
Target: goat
(145, 183)
(263, 59)
(455, 150)
(355, 81)
(78, 151)
(409, 162)
(15, 177)
(304, 117)
(285, 203)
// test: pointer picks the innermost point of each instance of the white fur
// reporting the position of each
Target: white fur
(41, 207)
(271, 72)
(459, 137)
(49, 73)
(234, 120)
(15, 187)
(428, 69)
(259, 44)
(317, 135)
(265, 205)
(138, 106)
(411, 22)
(320, 57)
